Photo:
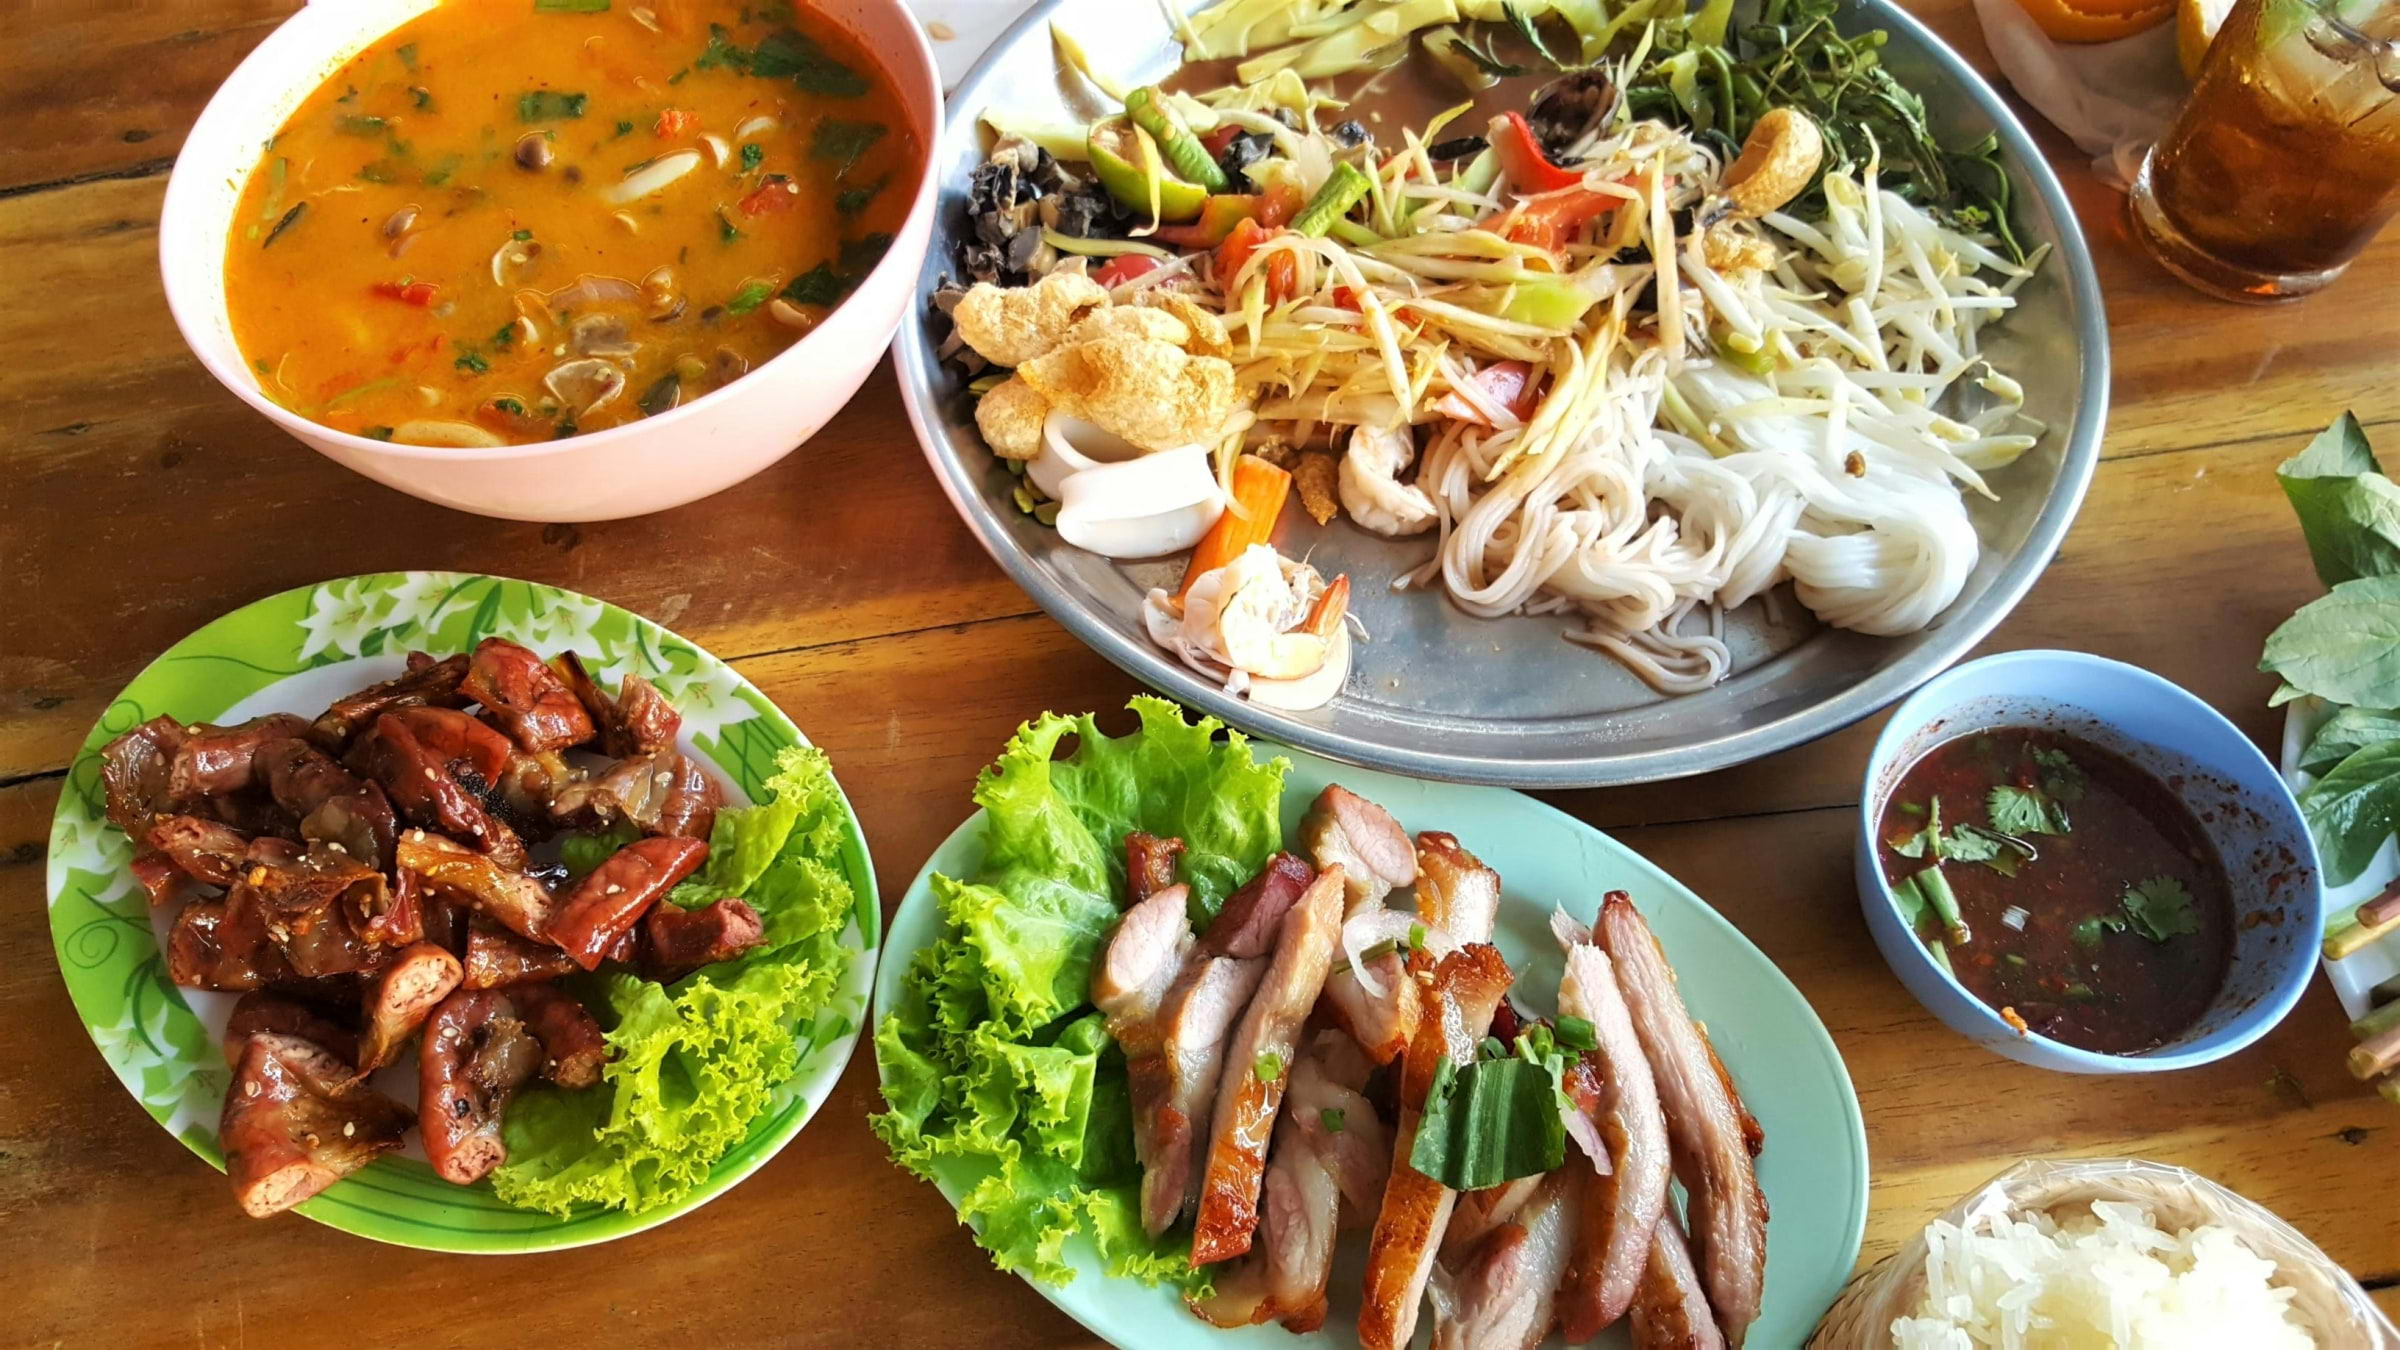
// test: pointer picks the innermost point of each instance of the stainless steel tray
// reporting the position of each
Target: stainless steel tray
(1439, 694)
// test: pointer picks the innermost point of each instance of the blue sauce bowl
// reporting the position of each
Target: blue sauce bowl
(2236, 795)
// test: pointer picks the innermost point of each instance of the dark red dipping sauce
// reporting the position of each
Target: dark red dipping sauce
(2067, 888)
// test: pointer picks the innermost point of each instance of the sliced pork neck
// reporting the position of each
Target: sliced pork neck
(1612, 1088)
(1709, 1131)
(1258, 1066)
(1467, 988)
(1345, 830)
(1142, 964)
(1505, 1295)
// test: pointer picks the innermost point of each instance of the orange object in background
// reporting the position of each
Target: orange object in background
(2097, 20)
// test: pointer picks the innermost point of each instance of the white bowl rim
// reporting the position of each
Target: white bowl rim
(2246, 1027)
(922, 83)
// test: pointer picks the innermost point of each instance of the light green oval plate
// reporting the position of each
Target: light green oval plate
(1814, 1168)
(297, 652)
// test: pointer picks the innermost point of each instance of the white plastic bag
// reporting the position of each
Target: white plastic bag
(2111, 98)
(2327, 1300)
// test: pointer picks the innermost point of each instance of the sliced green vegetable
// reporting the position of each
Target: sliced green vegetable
(1333, 201)
(1488, 1123)
(1577, 1033)
(1188, 158)
(1115, 153)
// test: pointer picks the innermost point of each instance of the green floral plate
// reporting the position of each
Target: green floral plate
(296, 652)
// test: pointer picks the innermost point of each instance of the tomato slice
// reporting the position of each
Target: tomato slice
(1124, 269)
(676, 123)
(418, 293)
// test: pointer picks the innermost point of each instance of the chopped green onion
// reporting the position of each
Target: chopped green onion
(1577, 1033)
(1269, 1067)
(1331, 1118)
(1492, 1048)
(749, 297)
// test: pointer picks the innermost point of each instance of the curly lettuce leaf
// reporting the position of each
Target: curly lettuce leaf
(694, 1065)
(999, 1077)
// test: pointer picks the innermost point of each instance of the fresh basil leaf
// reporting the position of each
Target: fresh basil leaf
(2160, 908)
(2346, 733)
(2344, 646)
(2022, 811)
(2349, 512)
(2353, 809)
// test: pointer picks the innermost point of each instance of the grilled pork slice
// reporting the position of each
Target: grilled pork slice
(1381, 1022)
(1505, 1297)
(1257, 1070)
(1247, 925)
(1327, 1171)
(1670, 1311)
(1478, 1213)
(1195, 1020)
(1709, 1130)
(1467, 988)
(1455, 891)
(1144, 959)
(1613, 1089)
(1345, 830)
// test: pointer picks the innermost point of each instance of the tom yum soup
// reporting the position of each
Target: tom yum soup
(2062, 885)
(515, 220)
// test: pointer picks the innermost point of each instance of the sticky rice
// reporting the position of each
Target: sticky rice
(2108, 1279)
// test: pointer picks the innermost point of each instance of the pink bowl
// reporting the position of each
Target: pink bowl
(682, 455)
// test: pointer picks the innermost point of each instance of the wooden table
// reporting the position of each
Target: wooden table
(142, 500)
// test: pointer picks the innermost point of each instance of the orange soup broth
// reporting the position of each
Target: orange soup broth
(445, 235)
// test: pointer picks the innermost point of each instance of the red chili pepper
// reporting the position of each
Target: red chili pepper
(418, 293)
(1522, 160)
(676, 123)
(776, 195)
(1124, 269)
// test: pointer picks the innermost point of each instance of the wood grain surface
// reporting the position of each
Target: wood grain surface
(142, 500)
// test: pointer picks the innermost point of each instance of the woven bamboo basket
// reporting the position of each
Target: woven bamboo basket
(2326, 1299)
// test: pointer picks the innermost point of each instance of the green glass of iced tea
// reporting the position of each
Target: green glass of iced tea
(2285, 161)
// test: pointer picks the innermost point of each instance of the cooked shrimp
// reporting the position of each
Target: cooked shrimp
(1257, 627)
(1371, 488)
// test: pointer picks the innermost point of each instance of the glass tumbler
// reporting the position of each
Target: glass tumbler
(2285, 160)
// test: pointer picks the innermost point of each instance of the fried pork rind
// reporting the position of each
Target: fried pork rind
(1150, 325)
(1208, 336)
(1011, 326)
(1010, 416)
(1318, 476)
(1151, 393)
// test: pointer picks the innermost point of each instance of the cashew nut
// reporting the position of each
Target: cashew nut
(1778, 159)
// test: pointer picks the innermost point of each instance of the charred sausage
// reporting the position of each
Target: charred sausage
(609, 901)
(399, 999)
(475, 1055)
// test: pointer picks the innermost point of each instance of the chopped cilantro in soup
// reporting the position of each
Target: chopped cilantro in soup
(514, 220)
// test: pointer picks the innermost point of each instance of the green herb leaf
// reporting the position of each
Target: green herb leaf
(2353, 809)
(506, 337)
(1489, 1123)
(354, 125)
(785, 54)
(851, 201)
(749, 297)
(1330, 1118)
(2346, 733)
(1969, 845)
(376, 433)
(290, 218)
(841, 142)
(407, 52)
(2349, 511)
(624, 129)
(663, 395)
(1485, 61)
(861, 255)
(469, 359)
(549, 105)
(753, 155)
(725, 229)
(2160, 908)
(1491, 1048)
(379, 171)
(819, 285)
(2062, 777)
(1577, 1033)
(2087, 932)
(2344, 646)
(2022, 811)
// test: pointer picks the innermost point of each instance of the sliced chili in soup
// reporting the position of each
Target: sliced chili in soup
(514, 220)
